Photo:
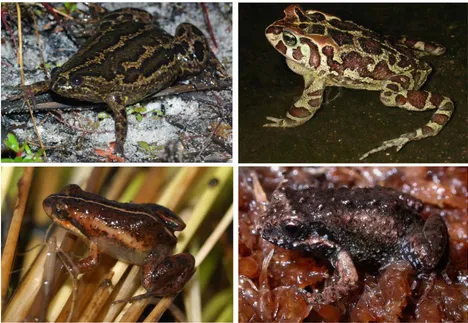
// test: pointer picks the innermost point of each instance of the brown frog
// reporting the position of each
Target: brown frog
(139, 234)
(376, 226)
(327, 51)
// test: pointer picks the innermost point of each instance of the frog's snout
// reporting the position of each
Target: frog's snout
(47, 206)
(58, 84)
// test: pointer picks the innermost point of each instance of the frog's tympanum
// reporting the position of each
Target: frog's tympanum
(375, 226)
(140, 234)
(127, 59)
(327, 51)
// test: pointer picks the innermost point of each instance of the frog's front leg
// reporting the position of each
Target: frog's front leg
(395, 95)
(117, 104)
(166, 277)
(344, 278)
(91, 261)
(304, 108)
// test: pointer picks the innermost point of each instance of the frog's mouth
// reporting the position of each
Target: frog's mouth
(60, 85)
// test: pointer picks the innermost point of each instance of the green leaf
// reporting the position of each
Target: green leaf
(103, 115)
(144, 145)
(27, 149)
(12, 143)
(70, 6)
(139, 117)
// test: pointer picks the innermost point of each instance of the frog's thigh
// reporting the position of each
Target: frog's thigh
(117, 104)
(169, 276)
(425, 249)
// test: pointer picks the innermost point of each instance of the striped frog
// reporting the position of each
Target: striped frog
(126, 60)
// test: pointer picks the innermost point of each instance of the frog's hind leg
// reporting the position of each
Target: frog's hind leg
(422, 48)
(414, 100)
(425, 250)
(303, 109)
(164, 278)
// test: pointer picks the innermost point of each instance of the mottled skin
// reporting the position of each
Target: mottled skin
(373, 225)
(327, 51)
(128, 59)
(140, 234)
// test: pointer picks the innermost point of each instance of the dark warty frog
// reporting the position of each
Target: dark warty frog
(376, 226)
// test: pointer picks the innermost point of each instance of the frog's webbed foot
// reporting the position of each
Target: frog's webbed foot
(397, 142)
(281, 123)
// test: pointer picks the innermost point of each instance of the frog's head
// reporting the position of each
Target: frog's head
(57, 207)
(73, 83)
(302, 35)
(282, 224)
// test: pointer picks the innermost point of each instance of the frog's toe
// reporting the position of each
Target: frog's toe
(397, 142)
(280, 123)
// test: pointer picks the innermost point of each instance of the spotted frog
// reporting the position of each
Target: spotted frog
(376, 226)
(140, 234)
(127, 59)
(327, 51)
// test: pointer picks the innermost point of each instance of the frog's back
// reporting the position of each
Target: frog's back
(118, 55)
(369, 222)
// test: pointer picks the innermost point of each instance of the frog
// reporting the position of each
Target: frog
(327, 51)
(126, 60)
(138, 234)
(376, 226)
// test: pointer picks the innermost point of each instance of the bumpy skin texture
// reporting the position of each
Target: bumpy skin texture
(128, 59)
(327, 51)
(373, 225)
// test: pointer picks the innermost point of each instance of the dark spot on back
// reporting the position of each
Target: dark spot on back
(341, 38)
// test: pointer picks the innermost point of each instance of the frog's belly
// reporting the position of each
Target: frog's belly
(132, 254)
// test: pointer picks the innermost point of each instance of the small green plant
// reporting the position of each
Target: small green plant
(103, 115)
(24, 153)
(152, 150)
(138, 111)
(70, 7)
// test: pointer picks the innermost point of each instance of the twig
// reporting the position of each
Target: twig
(20, 54)
(9, 30)
(38, 37)
(208, 140)
(52, 11)
(210, 28)
(75, 127)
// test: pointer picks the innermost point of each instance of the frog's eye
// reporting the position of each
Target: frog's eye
(292, 228)
(289, 38)
(76, 80)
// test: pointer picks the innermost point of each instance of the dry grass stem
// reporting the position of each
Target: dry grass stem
(214, 237)
(20, 54)
(24, 186)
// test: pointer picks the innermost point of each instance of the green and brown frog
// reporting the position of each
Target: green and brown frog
(127, 59)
